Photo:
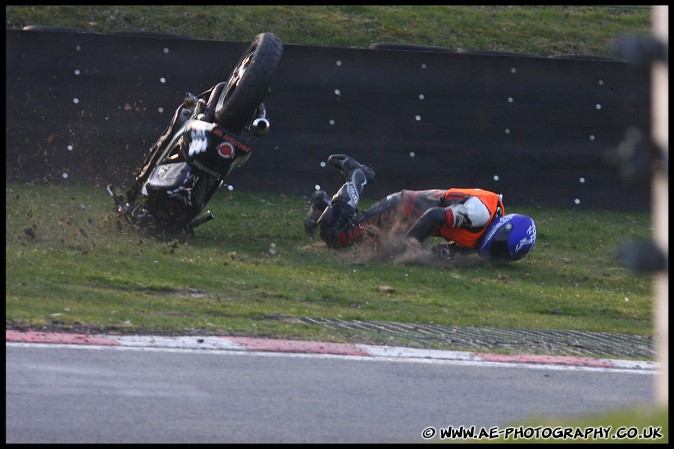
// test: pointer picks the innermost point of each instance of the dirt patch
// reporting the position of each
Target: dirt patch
(390, 246)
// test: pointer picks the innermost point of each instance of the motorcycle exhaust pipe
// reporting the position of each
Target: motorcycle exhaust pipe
(201, 219)
(260, 126)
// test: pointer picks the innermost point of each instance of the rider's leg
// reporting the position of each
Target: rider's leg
(341, 224)
(382, 213)
(398, 211)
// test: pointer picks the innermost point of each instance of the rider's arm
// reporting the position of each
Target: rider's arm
(475, 213)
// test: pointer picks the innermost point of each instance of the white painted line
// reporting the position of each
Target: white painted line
(390, 351)
(635, 364)
(180, 342)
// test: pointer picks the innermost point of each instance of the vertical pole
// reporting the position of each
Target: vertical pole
(660, 134)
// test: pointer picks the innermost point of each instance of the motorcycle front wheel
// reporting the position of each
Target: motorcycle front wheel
(248, 84)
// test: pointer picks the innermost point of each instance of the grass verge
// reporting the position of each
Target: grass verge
(542, 30)
(252, 271)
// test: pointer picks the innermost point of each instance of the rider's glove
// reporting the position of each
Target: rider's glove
(444, 250)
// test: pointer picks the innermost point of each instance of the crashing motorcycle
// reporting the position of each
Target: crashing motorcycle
(208, 137)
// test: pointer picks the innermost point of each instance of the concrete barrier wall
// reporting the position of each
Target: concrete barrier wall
(85, 108)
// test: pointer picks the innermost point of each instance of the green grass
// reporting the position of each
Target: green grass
(542, 30)
(252, 271)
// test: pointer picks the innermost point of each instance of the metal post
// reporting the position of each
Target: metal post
(660, 189)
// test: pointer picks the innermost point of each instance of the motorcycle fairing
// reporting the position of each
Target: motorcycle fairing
(173, 182)
(168, 177)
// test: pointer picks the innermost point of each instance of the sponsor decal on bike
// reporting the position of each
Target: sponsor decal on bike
(237, 143)
(225, 150)
(199, 142)
(223, 134)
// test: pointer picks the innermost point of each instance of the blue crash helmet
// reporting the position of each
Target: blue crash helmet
(508, 238)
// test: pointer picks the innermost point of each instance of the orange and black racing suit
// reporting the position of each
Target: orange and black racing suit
(419, 213)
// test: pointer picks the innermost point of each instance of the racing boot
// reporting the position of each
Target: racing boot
(349, 166)
(319, 202)
(356, 176)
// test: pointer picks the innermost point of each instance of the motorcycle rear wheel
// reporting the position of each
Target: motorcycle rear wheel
(248, 84)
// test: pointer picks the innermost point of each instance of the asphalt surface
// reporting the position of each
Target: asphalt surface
(93, 388)
(154, 390)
